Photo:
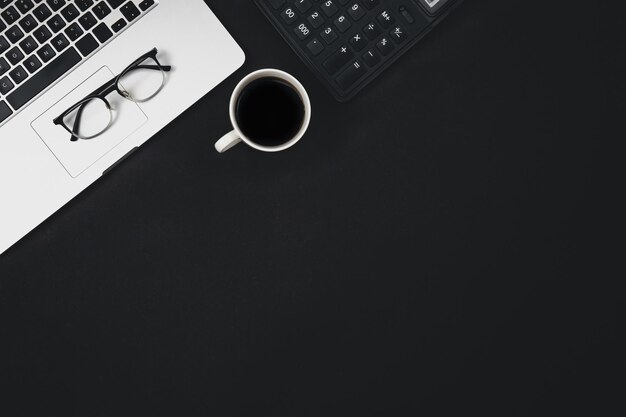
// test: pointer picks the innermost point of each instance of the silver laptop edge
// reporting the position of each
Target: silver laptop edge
(35, 181)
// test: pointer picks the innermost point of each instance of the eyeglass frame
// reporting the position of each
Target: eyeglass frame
(107, 88)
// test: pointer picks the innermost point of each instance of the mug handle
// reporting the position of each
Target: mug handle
(227, 141)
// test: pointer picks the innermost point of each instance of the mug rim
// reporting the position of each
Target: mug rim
(267, 73)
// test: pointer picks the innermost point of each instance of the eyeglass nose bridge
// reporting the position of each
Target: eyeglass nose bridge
(128, 96)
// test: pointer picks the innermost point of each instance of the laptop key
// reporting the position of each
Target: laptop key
(24, 6)
(102, 32)
(14, 34)
(10, 15)
(55, 5)
(119, 25)
(101, 10)
(115, 3)
(130, 11)
(87, 21)
(4, 66)
(60, 42)
(42, 34)
(56, 23)
(87, 44)
(15, 55)
(32, 64)
(42, 12)
(6, 85)
(4, 44)
(73, 31)
(46, 53)
(145, 4)
(28, 45)
(5, 111)
(70, 12)
(84, 4)
(19, 74)
(48, 74)
(28, 23)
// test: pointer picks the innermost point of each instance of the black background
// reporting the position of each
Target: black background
(437, 246)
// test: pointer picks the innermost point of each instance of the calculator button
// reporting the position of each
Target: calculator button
(370, 4)
(276, 3)
(358, 42)
(371, 58)
(329, 35)
(302, 31)
(385, 19)
(342, 23)
(356, 11)
(372, 31)
(398, 34)
(385, 46)
(316, 20)
(351, 75)
(341, 57)
(303, 5)
(289, 16)
(329, 8)
(405, 13)
(315, 47)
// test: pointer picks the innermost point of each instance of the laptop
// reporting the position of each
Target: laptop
(55, 53)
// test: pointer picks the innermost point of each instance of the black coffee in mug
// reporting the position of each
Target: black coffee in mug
(269, 111)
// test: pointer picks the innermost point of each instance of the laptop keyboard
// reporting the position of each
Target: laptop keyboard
(348, 43)
(42, 40)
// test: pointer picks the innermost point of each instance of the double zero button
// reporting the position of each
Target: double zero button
(289, 15)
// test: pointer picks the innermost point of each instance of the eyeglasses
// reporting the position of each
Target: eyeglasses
(93, 115)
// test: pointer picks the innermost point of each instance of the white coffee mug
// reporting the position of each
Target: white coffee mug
(236, 135)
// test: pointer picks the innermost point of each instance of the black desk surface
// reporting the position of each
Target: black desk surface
(430, 248)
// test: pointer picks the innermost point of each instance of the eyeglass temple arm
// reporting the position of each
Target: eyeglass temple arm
(166, 68)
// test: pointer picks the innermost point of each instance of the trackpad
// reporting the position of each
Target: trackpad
(77, 156)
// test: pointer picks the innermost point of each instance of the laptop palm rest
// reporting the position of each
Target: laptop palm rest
(77, 156)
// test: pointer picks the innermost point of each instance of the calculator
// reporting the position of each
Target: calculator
(348, 43)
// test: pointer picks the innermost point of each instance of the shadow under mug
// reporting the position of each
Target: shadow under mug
(236, 136)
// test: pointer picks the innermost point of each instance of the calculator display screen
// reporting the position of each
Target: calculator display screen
(433, 5)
